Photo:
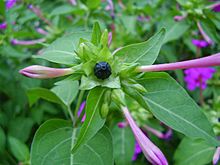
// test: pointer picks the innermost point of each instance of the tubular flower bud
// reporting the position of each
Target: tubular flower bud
(216, 156)
(213, 60)
(25, 42)
(151, 151)
(43, 72)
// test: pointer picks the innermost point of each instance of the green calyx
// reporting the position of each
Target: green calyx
(95, 52)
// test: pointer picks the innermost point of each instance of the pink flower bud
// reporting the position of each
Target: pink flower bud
(203, 33)
(151, 152)
(159, 134)
(213, 60)
(27, 42)
(42, 72)
(179, 17)
(216, 156)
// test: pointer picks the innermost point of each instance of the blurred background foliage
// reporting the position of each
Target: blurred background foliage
(130, 21)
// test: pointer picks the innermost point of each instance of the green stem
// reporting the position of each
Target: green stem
(70, 113)
(79, 101)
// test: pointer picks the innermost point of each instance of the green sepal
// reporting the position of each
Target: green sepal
(104, 38)
(136, 96)
(96, 34)
(104, 110)
(118, 97)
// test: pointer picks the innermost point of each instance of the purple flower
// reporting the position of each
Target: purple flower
(10, 3)
(143, 18)
(200, 43)
(25, 42)
(82, 106)
(42, 72)
(215, 7)
(3, 25)
(137, 151)
(151, 152)
(198, 77)
(122, 124)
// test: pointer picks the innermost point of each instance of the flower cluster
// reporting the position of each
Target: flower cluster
(198, 77)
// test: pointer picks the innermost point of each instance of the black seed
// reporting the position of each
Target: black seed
(102, 70)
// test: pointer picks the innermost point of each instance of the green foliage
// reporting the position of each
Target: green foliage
(144, 53)
(193, 152)
(172, 105)
(53, 140)
(18, 149)
(154, 99)
(62, 51)
(94, 121)
(123, 143)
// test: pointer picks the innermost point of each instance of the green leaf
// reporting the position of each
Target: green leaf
(176, 30)
(144, 53)
(37, 93)
(96, 34)
(136, 96)
(66, 90)
(62, 50)
(210, 29)
(92, 4)
(54, 139)
(193, 152)
(64, 9)
(93, 121)
(18, 149)
(3, 140)
(18, 125)
(123, 142)
(171, 104)
(98, 150)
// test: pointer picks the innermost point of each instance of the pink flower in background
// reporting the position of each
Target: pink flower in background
(27, 42)
(122, 124)
(137, 151)
(10, 3)
(200, 43)
(81, 108)
(216, 7)
(3, 25)
(143, 18)
(216, 156)
(110, 7)
(198, 77)
(162, 135)
(204, 35)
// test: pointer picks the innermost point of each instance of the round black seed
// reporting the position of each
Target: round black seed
(102, 70)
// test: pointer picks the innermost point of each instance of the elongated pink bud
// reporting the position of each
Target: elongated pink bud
(43, 72)
(213, 60)
(151, 152)
(161, 135)
(216, 156)
(203, 33)
(27, 42)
